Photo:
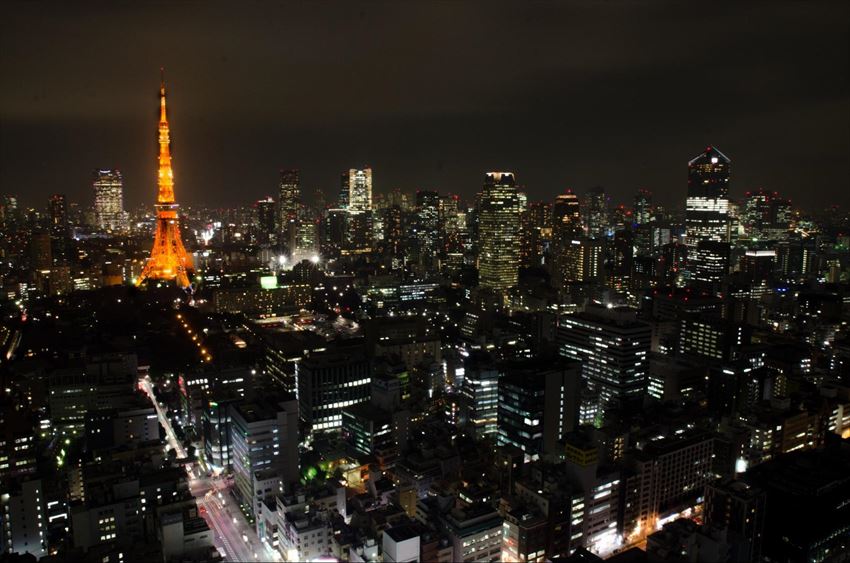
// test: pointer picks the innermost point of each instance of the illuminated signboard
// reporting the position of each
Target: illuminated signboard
(268, 282)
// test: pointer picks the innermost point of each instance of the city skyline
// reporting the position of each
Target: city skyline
(441, 282)
(558, 109)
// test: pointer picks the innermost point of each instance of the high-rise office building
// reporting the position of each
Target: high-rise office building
(358, 185)
(739, 510)
(393, 229)
(766, 214)
(669, 473)
(707, 206)
(23, 523)
(41, 254)
(333, 232)
(566, 215)
(780, 215)
(538, 405)
(613, 347)
(566, 228)
(707, 215)
(711, 338)
(356, 198)
(9, 212)
(452, 222)
(709, 265)
(264, 438)
(329, 381)
(427, 225)
(807, 507)
(535, 233)
(596, 214)
(58, 214)
(399, 198)
(499, 232)
(358, 232)
(306, 235)
(57, 210)
(621, 259)
(577, 260)
(109, 200)
(620, 218)
(758, 265)
(344, 189)
(288, 206)
(266, 223)
(216, 419)
(643, 207)
(480, 392)
(756, 213)
(289, 196)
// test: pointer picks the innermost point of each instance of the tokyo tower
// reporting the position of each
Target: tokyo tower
(169, 259)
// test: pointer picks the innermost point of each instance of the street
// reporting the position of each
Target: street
(227, 522)
(233, 537)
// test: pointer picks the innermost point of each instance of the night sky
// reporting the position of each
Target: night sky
(431, 95)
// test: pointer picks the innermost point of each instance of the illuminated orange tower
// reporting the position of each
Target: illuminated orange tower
(169, 259)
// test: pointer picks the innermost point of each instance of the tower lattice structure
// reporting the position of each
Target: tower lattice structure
(169, 259)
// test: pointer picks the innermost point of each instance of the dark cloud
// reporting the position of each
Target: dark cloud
(619, 94)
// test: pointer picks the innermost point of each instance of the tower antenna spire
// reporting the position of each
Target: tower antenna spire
(162, 112)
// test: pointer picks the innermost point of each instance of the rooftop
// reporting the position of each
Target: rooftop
(402, 533)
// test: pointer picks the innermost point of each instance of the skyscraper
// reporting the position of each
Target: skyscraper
(577, 260)
(707, 206)
(536, 232)
(643, 207)
(343, 191)
(499, 232)
(356, 197)
(289, 200)
(706, 212)
(621, 259)
(566, 215)
(57, 208)
(289, 195)
(41, 255)
(109, 200)
(709, 264)
(566, 228)
(9, 212)
(58, 211)
(452, 223)
(480, 392)
(428, 225)
(306, 235)
(265, 209)
(358, 232)
(333, 232)
(766, 214)
(596, 213)
(358, 185)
